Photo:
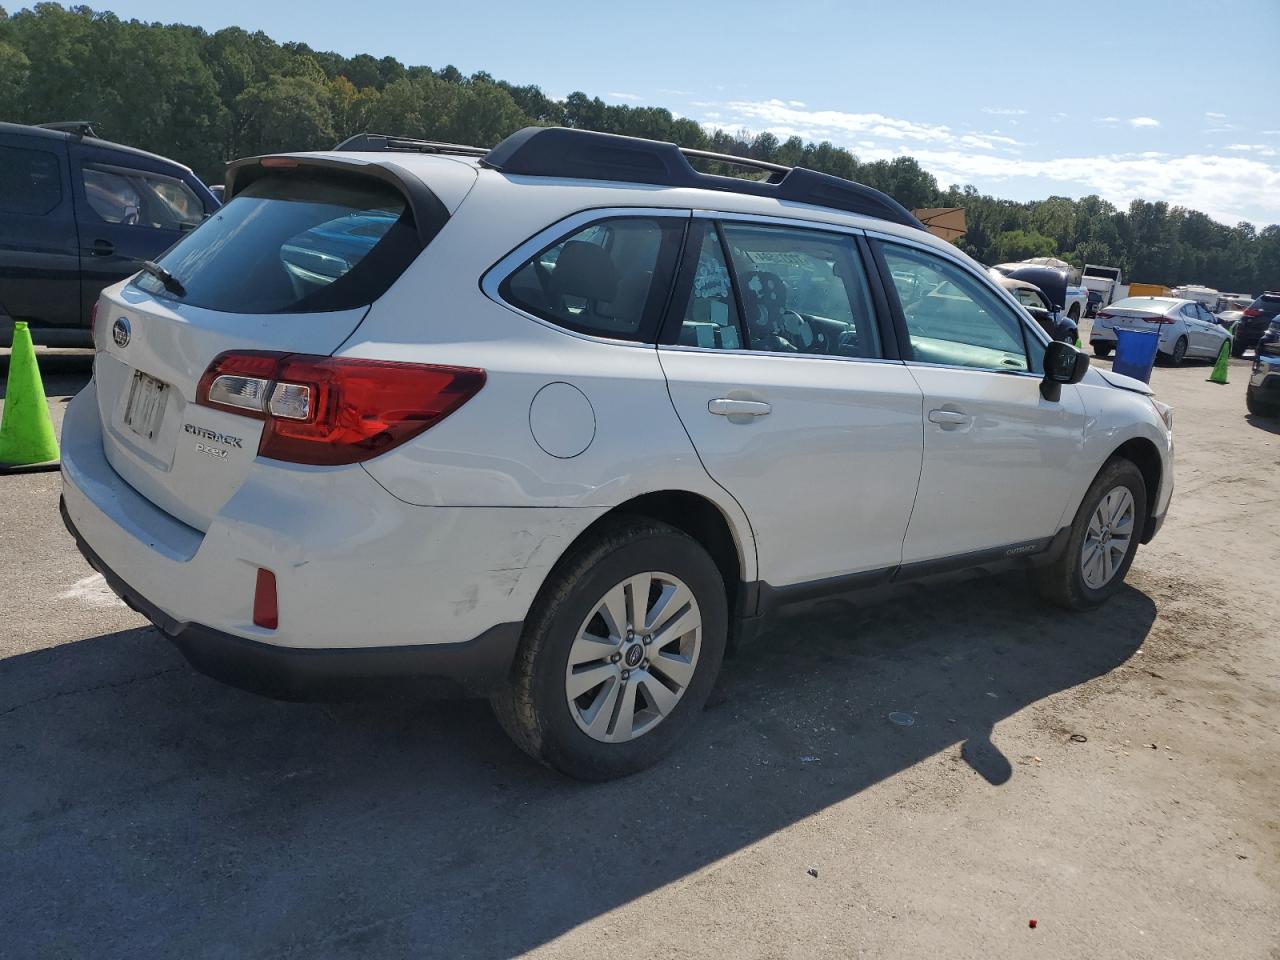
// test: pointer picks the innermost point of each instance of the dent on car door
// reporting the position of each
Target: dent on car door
(39, 251)
(774, 358)
(127, 215)
(999, 459)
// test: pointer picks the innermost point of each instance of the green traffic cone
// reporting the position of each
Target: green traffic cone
(26, 430)
(1219, 374)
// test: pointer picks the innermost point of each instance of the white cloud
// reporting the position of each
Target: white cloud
(1229, 189)
(1143, 122)
(625, 96)
(785, 120)
(1261, 149)
(675, 93)
(795, 103)
(1232, 186)
(1005, 111)
(1210, 115)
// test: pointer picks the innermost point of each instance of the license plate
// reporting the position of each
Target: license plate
(145, 408)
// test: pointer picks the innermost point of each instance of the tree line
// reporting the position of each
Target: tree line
(204, 98)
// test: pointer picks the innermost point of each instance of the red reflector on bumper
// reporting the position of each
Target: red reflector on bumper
(265, 613)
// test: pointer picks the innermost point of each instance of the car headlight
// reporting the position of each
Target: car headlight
(1165, 411)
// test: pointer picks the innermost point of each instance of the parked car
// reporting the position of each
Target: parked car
(1255, 320)
(1185, 327)
(1262, 396)
(1054, 283)
(578, 419)
(1034, 301)
(1094, 303)
(76, 215)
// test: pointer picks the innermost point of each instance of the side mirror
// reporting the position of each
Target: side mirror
(1063, 363)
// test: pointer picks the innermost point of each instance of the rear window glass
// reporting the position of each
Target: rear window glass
(30, 181)
(295, 244)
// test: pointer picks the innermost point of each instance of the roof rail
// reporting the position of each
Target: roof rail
(375, 142)
(583, 154)
(79, 128)
(747, 162)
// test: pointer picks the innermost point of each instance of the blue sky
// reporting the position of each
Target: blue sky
(1168, 100)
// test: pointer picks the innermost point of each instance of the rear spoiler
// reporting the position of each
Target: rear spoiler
(429, 213)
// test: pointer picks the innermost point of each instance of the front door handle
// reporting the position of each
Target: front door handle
(102, 248)
(725, 407)
(949, 418)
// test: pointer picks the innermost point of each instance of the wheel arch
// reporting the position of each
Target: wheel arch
(703, 520)
(1144, 455)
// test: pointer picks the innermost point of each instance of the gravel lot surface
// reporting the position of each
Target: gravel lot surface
(919, 772)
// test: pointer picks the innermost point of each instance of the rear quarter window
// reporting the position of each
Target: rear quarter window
(607, 279)
(295, 243)
(30, 181)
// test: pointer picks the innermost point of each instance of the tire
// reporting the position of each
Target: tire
(1101, 351)
(1237, 348)
(1179, 353)
(535, 708)
(1256, 408)
(1074, 314)
(1063, 580)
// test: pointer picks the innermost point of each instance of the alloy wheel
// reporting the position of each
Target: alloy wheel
(1107, 540)
(633, 657)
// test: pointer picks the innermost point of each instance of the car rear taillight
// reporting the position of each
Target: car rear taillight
(1104, 315)
(1157, 319)
(1252, 312)
(334, 410)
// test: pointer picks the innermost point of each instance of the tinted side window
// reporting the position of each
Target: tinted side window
(137, 198)
(1189, 311)
(951, 318)
(802, 291)
(295, 243)
(608, 279)
(30, 181)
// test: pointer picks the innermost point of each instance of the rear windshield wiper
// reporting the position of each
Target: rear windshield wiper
(171, 283)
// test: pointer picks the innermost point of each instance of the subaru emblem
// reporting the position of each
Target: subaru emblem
(120, 332)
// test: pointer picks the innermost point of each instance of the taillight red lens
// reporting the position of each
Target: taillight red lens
(1252, 312)
(334, 410)
(1157, 319)
(1104, 315)
(266, 612)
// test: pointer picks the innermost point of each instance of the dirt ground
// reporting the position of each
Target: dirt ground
(1111, 776)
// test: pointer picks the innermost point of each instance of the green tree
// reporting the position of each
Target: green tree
(283, 114)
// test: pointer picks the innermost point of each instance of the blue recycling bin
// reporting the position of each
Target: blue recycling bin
(1135, 353)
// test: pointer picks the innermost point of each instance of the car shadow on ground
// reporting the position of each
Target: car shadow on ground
(1267, 424)
(149, 811)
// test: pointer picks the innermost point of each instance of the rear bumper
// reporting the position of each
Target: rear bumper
(369, 587)
(475, 667)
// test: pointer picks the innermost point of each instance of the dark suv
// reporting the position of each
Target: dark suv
(77, 214)
(1254, 321)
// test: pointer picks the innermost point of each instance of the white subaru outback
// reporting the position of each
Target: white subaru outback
(560, 421)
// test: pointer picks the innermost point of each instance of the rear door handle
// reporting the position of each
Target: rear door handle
(725, 407)
(949, 418)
